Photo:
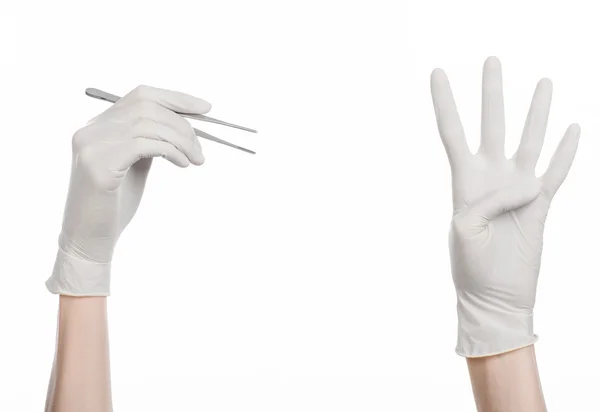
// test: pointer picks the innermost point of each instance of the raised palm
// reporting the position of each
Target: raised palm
(500, 206)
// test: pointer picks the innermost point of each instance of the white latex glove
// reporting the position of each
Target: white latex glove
(112, 156)
(499, 211)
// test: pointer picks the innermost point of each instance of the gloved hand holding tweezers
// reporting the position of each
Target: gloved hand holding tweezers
(111, 159)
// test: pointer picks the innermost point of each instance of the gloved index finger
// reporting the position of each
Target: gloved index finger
(170, 99)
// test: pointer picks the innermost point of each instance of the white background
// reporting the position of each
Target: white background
(314, 275)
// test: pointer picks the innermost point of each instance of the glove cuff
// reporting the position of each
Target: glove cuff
(484, 330)
(77, 277)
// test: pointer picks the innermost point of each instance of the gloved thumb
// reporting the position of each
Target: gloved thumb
(505, 199)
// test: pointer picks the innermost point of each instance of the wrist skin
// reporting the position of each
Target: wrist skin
(80, 379)
(508, 382)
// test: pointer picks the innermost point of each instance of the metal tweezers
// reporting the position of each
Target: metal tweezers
(99, 94)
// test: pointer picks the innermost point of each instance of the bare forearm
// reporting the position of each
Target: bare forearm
(80, 380)
(508, 382)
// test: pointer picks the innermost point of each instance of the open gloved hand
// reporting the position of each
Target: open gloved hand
(500, 207)
(111, 159)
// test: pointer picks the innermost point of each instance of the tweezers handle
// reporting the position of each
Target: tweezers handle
(102, 95)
